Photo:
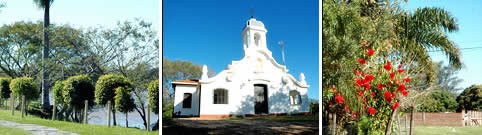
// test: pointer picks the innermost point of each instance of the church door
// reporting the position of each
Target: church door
(260, 99)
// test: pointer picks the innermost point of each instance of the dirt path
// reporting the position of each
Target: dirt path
(36, 129)
(195, 126)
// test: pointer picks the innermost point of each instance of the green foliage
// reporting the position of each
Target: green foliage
(77, 89)
(57, 92)
(167, 109)
(5, 88)
(106, 85)
(470, 98)
(25, 86)
(123, 99)
(438, 102)
(153, 94)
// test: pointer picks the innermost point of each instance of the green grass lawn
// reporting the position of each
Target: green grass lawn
(279, 118)
(426, 130)
(70, 126)
(12, 131)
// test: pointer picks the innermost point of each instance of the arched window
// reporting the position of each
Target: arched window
(220, 96)
(256, 39)
(295, 97)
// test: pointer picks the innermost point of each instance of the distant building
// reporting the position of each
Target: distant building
(255, 85)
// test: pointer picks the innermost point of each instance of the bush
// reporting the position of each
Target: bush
(106, 85)
(153, 94)
(469, 99)
(25, 86)
(4, 88)
(438, 102)
(57, 92)
(123, 99)
(77, 89)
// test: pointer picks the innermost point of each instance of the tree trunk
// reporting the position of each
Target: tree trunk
(45, 56)
(411, 120)
(142, 113)
(113, 114)
(388, 129)
(127, 122)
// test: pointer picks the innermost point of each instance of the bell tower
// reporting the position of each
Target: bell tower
(254, 37)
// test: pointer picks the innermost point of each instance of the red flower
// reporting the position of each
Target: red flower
(405, 93)
(373, 93)
(367, 86)
(360, 93)
(339, 99)
(401, 70)
(358, 82)
(392, 75)
(347, 110)
(334, 89)
(370, 52)
(399, 66)
(362, 61)
(395, 106)
(388, 96)
(393, 94)
(380, 86)
(407, 79)
(401, 87)
(388, 66)
(371, 110)
(369, 77)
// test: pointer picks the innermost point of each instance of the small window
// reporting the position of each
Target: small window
(186, 103)
(295, 97)
(220, 96)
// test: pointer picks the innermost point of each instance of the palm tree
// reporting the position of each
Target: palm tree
(45, 4)
(425, 30)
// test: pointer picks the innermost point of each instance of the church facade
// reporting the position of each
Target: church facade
(254, 85)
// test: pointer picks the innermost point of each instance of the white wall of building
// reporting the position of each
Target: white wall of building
(179, 96)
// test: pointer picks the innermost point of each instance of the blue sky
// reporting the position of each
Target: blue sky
(469, 17)
(209, 32)
(84, 13)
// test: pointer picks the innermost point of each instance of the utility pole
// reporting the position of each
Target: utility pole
(282, 52)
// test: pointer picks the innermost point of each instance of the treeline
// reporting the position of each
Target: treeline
(79, 60)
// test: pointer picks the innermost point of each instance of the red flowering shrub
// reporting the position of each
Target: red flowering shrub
(370, 52)
(395, 106)
(371, 110)
(339, 99)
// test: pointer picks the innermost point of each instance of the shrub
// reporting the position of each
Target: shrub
(106, 85)
(25, 86)
(77, 89)
(57, 92)
(123, 99)
(153, 94)
(4, 88)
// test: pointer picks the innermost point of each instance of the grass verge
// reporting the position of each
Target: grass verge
(12, 131)
(429, 130)
(73, 127)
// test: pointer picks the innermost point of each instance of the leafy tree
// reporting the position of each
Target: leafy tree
(446, 80)
(438, 102)
(124, 101)
(5, 88)
(153, 93)
(76, 90)
(179, 70)
(24, 86)
(105, 89)
(45, 4)
(57, 92)
(470, 98)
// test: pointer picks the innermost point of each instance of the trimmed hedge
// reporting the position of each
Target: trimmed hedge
(77, 89)
(5, 88)
(25, 86)
(106, 85)
(153, 96)
(57, 92)
(123, 99)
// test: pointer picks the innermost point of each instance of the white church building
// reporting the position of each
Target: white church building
(255, 85)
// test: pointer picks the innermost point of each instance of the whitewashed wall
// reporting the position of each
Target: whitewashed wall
(179, 96)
